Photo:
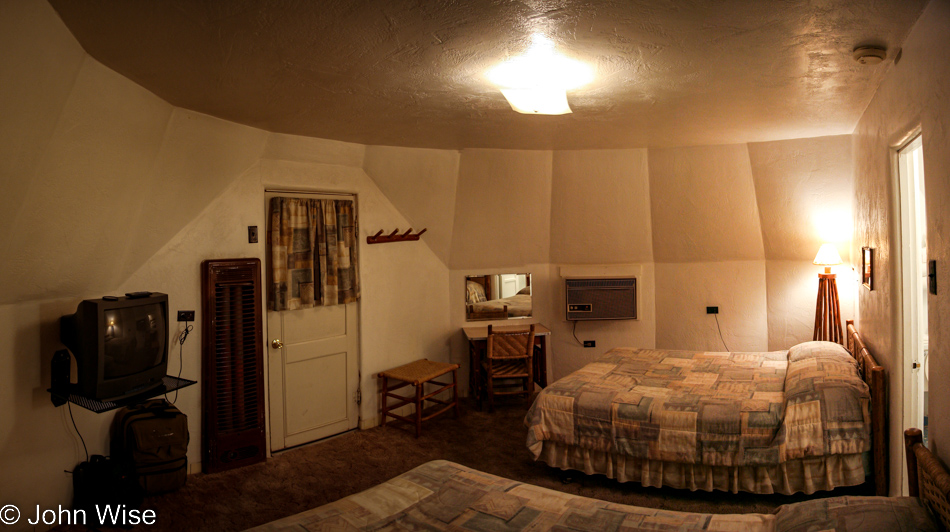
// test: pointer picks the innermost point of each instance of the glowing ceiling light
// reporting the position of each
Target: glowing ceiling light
(537, 82)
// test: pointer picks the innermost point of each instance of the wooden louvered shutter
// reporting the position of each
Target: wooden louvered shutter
(232, 364)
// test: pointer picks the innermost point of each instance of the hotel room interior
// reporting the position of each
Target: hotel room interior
(708, 151)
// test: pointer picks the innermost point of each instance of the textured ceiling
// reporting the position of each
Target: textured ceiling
(411, 73)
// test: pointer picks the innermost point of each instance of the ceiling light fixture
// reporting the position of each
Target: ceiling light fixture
(537, 82)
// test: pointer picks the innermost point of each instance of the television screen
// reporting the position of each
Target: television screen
(134, 340)
(120, 344)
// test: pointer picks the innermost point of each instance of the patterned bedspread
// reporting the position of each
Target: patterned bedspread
(443, 495)
(716, 409)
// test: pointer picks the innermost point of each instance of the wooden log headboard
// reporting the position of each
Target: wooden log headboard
(876, 379)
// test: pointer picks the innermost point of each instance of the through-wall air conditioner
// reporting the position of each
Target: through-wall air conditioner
(601, 299)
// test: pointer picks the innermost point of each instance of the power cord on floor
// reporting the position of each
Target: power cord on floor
(720, 332)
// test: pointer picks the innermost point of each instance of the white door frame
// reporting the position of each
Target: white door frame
(912, 403)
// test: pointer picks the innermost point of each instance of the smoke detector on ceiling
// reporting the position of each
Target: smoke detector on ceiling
(869, 55)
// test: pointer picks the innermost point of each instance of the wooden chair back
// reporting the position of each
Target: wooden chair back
(927, 477)
(510, 345)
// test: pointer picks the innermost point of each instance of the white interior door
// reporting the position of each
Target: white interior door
(508, 285)
(914, 284)
(313, 370)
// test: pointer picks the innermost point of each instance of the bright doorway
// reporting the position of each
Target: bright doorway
(914, 284)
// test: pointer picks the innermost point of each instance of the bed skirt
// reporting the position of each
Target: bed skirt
(806, 475)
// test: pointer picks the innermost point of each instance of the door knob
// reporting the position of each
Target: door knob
(277, 344)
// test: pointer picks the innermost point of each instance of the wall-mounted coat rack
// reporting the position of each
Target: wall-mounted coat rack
(380, 238)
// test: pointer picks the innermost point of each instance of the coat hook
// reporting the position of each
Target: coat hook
(395, 236)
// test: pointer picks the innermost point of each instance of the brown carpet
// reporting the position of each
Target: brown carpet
(306, 477)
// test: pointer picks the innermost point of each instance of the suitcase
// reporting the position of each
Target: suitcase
(150, 444)
(101, 482)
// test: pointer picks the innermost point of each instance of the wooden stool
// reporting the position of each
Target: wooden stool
(418, 373)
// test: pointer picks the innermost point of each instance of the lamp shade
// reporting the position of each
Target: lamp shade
(827, 256)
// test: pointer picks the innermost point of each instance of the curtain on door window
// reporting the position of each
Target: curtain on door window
(314, 253)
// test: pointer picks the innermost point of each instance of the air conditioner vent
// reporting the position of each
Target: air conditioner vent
(601, 299)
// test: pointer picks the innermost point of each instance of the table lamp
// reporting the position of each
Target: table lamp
(828, 309)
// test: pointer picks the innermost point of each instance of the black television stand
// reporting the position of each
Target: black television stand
(169, 384)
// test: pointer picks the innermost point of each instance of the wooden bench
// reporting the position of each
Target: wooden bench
(417, 374)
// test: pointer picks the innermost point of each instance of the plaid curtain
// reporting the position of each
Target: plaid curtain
(314, 253)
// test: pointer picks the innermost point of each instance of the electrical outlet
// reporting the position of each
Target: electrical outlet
(252, 234)
(590, 343)
(186, 315)
(712, 310)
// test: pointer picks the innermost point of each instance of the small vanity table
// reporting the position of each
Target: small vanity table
(477, 336)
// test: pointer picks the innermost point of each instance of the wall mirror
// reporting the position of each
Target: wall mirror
(497, 296)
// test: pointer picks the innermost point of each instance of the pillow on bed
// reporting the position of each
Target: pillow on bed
(474, 292)
(855, 514)
(809, 375)
(827, 407)
(526, 291)
(808, 350)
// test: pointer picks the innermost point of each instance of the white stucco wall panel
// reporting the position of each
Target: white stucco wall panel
(703, 205)
(37, 442)
(46, 60)
(684, 290)
(600, 207)
(421, 183)
(86, 187)
(313, 150)
(915, 93)
(502, 209)
(199, 158)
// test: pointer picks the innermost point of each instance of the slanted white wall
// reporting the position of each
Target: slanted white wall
(804, 190)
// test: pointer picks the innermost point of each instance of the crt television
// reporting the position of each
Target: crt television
(120, 344)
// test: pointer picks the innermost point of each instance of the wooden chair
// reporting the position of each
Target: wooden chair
(508, 358)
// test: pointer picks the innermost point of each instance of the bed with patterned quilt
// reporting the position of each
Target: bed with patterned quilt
(443, 495)
(773, 422)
